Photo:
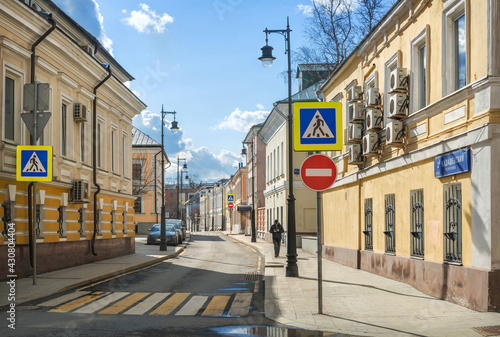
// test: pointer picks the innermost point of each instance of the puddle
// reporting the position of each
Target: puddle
(241, 284)
(272, 331)
(234, 289)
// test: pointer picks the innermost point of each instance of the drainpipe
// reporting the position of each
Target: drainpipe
(32, 185)
(94, 155)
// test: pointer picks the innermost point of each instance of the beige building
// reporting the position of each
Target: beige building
(84, 97)
(147, 179)
(417, 192)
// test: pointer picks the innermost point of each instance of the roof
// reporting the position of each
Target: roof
(308, 94)
(139, 138)
(316, 67)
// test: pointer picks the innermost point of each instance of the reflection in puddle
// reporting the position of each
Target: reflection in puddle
(273, 331)
(234, 289)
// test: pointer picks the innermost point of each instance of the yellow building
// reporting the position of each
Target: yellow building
(146, 179)
(416, 198)
(86, 98)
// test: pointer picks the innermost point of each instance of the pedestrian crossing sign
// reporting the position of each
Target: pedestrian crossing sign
(317, 126)
(34, 163)
(230, 198)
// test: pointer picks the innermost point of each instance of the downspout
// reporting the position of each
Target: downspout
(94, 155)
(47, 16)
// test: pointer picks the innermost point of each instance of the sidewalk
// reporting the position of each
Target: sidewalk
(357, 302)
(60, 280)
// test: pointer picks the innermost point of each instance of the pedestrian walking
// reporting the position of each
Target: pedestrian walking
(276, 230)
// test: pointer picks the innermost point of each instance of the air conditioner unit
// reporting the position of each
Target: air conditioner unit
(79, 112)
(354, 154)
(398, 80)
(373, 120)
(394, 133)
(354, 133)
(80, 192)
(373, 97)
(36, 7)
(398, 104)
(370, 144)
(88, 50)
(356, 113)
(355, 93)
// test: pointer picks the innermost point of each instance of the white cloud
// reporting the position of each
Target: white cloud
(105, 40)
(242, 121)
(305, 9)
(146, 20)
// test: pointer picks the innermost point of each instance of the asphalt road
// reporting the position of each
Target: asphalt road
(216, 282)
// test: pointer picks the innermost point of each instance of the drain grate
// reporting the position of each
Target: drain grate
(252, 276)
(489, 330)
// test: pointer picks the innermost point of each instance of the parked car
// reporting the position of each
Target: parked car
(179, 226)
(171, 235)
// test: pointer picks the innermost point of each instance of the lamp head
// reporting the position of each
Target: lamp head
(267, 57)
(185, 166)
(244, 151)
(174, 127)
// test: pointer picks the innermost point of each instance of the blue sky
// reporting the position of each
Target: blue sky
(199, 58)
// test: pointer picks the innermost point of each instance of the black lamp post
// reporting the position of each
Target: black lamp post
(267, 60)
(178, 214)
(252, 212)
(163, 233)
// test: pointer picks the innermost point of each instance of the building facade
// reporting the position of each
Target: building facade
(85, 99)
(416, 194)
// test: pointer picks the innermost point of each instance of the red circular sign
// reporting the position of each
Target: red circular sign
(230, 205)
(318, 172)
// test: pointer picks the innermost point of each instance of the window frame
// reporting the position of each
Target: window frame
(451, 12)
(17, 76)
(421, 40)
(392, 63)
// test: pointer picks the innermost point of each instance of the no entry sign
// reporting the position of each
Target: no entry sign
(318, 172)
(230, 204)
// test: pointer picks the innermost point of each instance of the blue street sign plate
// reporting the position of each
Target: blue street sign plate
(34, 163)
(455, 162)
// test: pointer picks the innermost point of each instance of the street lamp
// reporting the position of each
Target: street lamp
(252, 214)
(184, 169)
(178, 194)
(173, 126)
(267, 60)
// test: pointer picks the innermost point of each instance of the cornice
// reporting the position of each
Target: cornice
(63, 78)
(13, 47)
(44, 65)
(85, 92)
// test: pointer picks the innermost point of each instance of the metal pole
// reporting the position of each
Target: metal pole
(292, 269)
(163, 233)
(320, 254)
(177, 213)
(35, 117)
(254, 238)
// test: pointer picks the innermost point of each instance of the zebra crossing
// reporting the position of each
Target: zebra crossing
(144, 303)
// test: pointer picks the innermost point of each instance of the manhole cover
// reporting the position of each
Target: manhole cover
(489, 330)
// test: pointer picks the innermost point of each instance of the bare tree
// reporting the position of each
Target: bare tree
(143, 178)
(369, 13)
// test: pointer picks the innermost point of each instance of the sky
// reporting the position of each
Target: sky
(199, 59)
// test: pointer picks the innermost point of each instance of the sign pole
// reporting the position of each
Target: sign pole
(33, 232)
(320, 254)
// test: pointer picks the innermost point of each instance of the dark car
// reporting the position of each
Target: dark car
(179, 226)
(170, 235)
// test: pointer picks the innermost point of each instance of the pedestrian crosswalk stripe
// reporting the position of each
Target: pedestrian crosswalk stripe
(192, 307)
(169, 305)
(124, 304)
(78, 302)
(140, 303)
(147, 304)
(241, 304)
(216, 306)
(101, 303)
(62, 299)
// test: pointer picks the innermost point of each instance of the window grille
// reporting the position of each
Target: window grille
(417, 223)
(390, 223)
(368, 224)
(453, 223)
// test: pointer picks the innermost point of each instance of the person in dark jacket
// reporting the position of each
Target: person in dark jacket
(276, 230)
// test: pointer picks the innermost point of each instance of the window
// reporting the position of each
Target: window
(418, 77)
(9, 108)
(417, 223)
(82, 142)
(124, 155)
(138, 205)
(137, 173)
(282, 159)
(64, 125)
(459, 55)
(99, 145)
(274, 164)
(454, 69)
(390, 224)
(452, 223)
(278, 161)
(391, 64)
(368, 224)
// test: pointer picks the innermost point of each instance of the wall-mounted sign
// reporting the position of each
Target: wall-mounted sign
(452, 163)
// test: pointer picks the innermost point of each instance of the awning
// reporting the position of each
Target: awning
(244, 208)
